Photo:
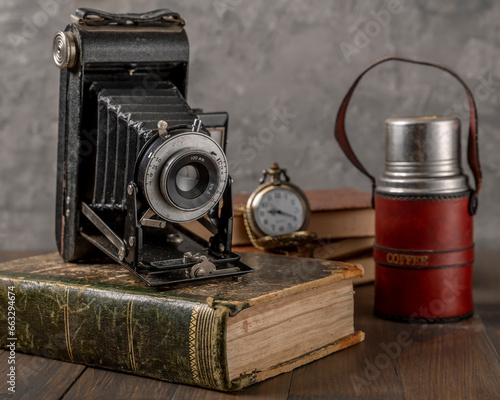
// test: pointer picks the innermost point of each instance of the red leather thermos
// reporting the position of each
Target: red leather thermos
(424, 207)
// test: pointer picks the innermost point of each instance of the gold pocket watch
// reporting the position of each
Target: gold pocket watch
(276, 213)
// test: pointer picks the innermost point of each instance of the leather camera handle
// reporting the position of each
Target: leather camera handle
(472, 154)
(90, 16)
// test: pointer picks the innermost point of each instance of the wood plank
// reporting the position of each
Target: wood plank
(490, 316)
(487, 300)
(449, 361)
(39, 378)
(275, 388)
(440, 361)
(349, 373)
(457, 360)
(97, 384)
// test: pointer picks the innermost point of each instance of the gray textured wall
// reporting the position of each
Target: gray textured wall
(255, 59)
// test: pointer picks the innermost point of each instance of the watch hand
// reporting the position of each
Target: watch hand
(273, 206)
(284, 213)
(275, 211)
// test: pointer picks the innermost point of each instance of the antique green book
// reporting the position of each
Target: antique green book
(221, 334)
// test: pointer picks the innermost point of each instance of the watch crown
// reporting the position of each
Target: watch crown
(274, 172)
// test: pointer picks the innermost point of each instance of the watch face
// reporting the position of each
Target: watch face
(279, 211)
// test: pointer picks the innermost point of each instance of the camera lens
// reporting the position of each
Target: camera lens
(189, 180)
(184, 176)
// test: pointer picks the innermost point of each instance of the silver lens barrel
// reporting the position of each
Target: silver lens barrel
(189, 179)
(173, 191)
(423, 157)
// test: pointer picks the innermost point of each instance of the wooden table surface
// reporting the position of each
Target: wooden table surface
(396, 361)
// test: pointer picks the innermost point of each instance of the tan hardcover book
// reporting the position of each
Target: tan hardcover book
(368, 264)
(335, 214)
(222, 334)
(363, 258)
(344, 248)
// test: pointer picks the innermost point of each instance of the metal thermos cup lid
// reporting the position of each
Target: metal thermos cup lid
(423, 156)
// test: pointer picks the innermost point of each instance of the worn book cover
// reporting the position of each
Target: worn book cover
(221, 334)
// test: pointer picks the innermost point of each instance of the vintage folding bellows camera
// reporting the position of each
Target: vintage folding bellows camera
(134, 160)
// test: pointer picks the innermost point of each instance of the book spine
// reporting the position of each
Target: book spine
(176, 340)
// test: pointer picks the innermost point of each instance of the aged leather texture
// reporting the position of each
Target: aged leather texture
(424, 252)
(100, 315)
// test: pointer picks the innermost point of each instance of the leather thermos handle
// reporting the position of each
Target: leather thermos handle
(472, 154)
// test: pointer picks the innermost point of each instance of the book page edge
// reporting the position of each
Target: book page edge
(258, 376)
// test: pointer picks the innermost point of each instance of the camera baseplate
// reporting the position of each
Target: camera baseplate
(161, 253)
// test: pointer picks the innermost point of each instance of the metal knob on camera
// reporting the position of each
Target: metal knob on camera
(64, 50)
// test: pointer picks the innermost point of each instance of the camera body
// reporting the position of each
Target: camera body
(135, 161)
